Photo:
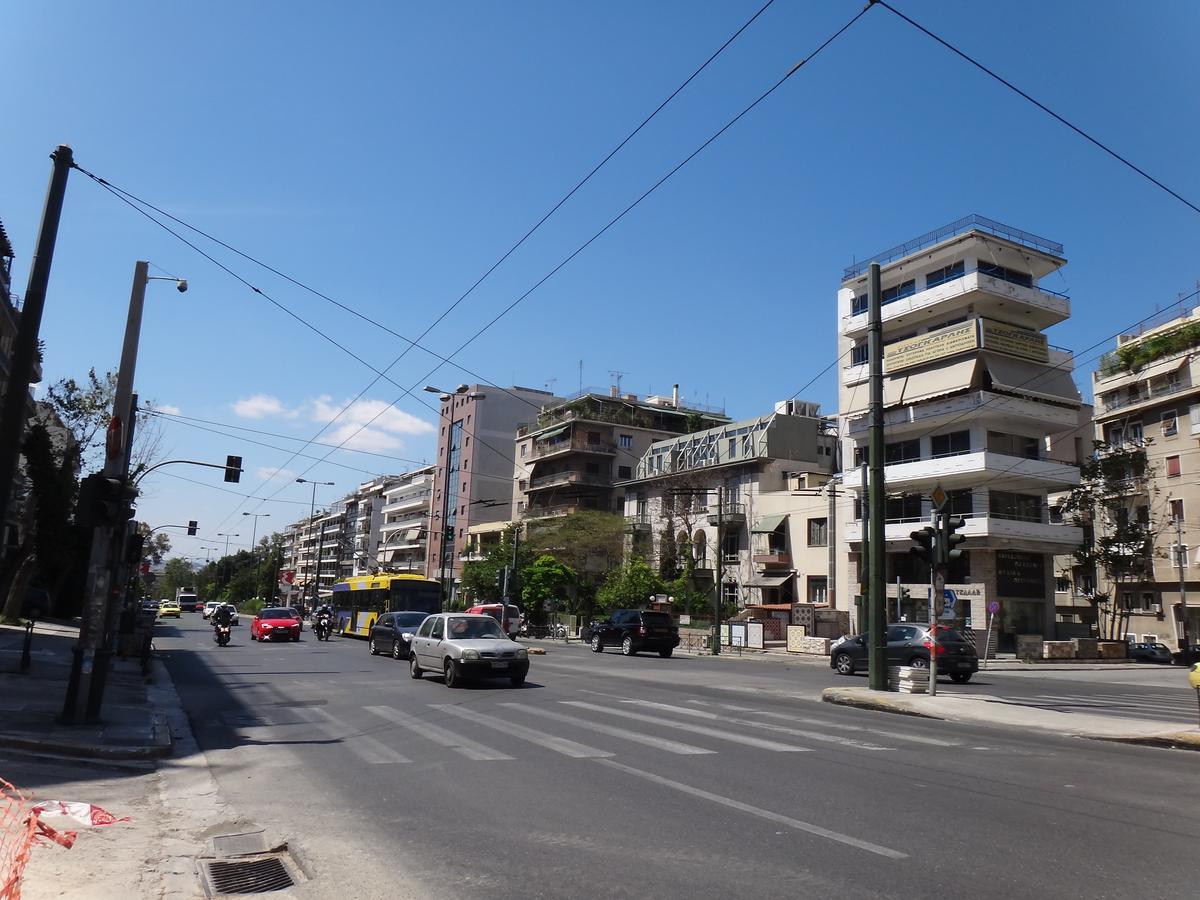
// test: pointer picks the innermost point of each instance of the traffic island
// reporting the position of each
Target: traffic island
(980, 709)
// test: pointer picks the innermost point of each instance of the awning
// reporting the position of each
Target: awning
(935, 382)
(412, 534)
(767, 524)
(553, 432)
(1022, 377)
(768, 581)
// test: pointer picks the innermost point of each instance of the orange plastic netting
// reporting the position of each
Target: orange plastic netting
(17, 828)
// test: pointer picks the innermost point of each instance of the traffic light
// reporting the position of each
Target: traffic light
(104, 500)
(233, 469)
(192, 526)
(924, 539)
(902, 594)
(949, 540)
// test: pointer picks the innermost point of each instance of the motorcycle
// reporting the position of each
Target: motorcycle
(221, 635)
(323, 628)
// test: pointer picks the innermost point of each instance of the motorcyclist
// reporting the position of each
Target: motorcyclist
(323, 616)
(222, 615)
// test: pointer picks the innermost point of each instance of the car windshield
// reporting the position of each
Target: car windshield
(275, 614)
(410, 619)
(469, 629)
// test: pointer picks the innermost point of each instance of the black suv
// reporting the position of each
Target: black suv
(908, 645)
(633, 630)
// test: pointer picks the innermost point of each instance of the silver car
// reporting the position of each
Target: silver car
(462, 646)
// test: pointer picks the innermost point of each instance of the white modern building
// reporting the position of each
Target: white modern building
(404, 531)
(972, 391)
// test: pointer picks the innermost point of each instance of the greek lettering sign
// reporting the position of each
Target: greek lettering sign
(1020, 574)
(926, 348)
(1014, 341)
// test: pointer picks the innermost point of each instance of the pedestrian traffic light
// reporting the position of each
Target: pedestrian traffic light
(233, 469)
(192, 526)
(104, 500)
(902, 594)
(950, 539)
(923, 540)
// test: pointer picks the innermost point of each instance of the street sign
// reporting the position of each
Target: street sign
(945, 605)
(993, 607)
(939, 498)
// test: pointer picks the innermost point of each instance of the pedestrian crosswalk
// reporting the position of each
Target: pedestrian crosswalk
(580, 726)
(1162, 704)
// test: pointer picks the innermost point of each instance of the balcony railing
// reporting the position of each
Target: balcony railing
(571, 477)
(774, 559)
(575, 445)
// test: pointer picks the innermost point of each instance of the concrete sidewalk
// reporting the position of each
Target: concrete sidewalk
(30, 702)
(982, 709)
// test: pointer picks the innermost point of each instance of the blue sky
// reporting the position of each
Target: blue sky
(388, 153)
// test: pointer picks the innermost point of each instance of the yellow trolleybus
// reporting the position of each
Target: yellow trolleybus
(358, 602)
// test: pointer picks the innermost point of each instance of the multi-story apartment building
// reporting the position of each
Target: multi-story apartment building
(300, 554)
(473, 475)
(576, 454)
(404, 532)
(1148, 391)
(366, 525)
(760, 478)
(972, 390)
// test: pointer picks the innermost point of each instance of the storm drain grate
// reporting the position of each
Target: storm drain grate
(259, 876)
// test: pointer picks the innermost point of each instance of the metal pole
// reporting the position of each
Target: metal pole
(719, 585)
(446, 531)
(1185, 640)
(25, 345)
(937, 588)
(877, 604)
(312, 506)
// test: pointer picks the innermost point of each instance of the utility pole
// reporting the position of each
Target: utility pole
(24, 351)
(719, 586)
(937, 595)
(877, 602)
(1185, 640)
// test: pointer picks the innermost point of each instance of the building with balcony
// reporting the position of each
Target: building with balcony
(972, 393)
(1148, 392)
(576, 454)
(473, 476)
(404, 530)
(746, 494)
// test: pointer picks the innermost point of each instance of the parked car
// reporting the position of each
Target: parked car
(393, 633)
(1155, 653)
(209, 607)
(908, 645)
(462, 646)
(634, 630)
(199, 607)
(274, 623)
(169, 608)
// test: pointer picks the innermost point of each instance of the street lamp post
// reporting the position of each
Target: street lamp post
(312, 506)
(253, 538)
(228, 567)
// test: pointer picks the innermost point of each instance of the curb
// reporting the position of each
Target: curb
(1178, 741)
(66, 748)
(880, 704)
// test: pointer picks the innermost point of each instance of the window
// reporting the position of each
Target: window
(1176, 510)
(1013, 276)
(818, 589)
(731, 544)
(1170, 424)
(860, 354)
(1173, 469)
(1149, 601)
(624, 472)
(524, 450)
(961, 502)
(426, 628)
(593, 437)
(858, 304)
(953, 444)
(861, 454)
(901, 451)
(1129, 431)
(903, 509)
(625, 441)
(439, 629)
(818, 532)
(949, 273)
(1062, 585)
(1017, 507)
(1014, 445)
(592, 468)
(730, 593)
(1056, 515)
(900, 291)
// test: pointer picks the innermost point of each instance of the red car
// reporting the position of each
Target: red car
(275, 623)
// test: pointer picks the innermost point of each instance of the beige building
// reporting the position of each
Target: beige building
(762, 479)
(404, 530)
(972, 390)
(1149, 388)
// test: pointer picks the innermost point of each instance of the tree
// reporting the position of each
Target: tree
(176, 574)
(590, 542)
(632, 585)
(545, 583)
(483, 580)
(1114, 503)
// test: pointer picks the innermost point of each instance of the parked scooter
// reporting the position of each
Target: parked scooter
(221, 634)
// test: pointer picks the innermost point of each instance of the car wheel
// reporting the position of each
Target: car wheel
(627, 646)
(517, 681)
(371, 646)
(597, 647)
(396, 652)
(844, 664)
(452, 675)
(413, 669)
(918, 662)
(665, 654)
(296, 639)
(960, 677)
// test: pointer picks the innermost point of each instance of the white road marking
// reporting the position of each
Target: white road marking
(745, 739)
(549, 741)
(438, 735)
(365, 747)
(761, 813)
(613, 731)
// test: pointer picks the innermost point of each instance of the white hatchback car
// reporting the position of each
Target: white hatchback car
(460, 646)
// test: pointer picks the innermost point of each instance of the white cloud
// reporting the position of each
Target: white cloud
(266, 472)
(168, 409)
(383, 427)
(259, 406)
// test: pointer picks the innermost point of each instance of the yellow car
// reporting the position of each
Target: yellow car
(169, 608)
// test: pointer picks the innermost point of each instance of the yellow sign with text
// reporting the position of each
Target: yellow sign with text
(930, 347)
(1013, 341)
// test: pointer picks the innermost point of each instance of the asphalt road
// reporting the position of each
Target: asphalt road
(643, 777)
